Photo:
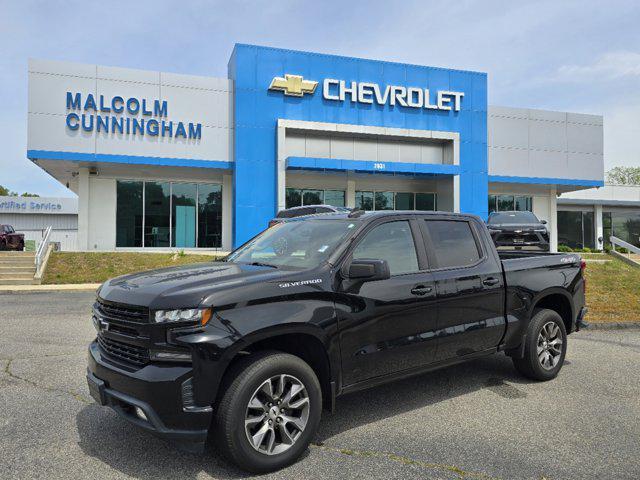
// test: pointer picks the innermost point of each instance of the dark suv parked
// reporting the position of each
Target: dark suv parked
(518, 229)
(306, 210)
(10, 240)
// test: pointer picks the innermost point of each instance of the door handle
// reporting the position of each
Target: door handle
(421, 289)
(490, 282)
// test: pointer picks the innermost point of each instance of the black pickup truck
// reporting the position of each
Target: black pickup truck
(251, 349)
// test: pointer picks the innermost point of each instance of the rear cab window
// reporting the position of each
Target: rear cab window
(453, 243)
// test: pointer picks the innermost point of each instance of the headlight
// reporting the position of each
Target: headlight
(200, 315)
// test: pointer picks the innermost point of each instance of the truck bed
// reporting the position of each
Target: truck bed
(526, 260)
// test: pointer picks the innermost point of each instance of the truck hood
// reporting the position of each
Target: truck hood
(185, 286)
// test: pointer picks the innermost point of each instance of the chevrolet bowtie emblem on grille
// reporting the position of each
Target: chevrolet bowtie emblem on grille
(293, 85)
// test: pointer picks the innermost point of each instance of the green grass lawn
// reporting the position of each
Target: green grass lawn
(613, 288)
(90, 267)
(613, 292)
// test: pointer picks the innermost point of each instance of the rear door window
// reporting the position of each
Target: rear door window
(453, 243)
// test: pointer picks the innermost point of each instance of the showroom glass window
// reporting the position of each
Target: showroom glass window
(184, 199)
(157, 202)
(129, 214)
(576, 229)
(625, 225)
(364, 200)
(298, 197)
(395, 201)
(503, 203)
(209, 216)
(405, 201)
(181, 215)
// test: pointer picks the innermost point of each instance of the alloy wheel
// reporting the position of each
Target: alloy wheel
(550, 344)
(277, 414)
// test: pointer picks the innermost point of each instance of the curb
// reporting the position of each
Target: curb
(612, 326)
(69, 287)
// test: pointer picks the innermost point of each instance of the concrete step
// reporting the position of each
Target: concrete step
(18, 281)
(12, 254)
(16, 276)
(17, 262)
(18, 269)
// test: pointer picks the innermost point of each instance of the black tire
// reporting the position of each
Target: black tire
(244, 379)
(530, 365)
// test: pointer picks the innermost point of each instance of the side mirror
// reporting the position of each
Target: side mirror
(367, 270)
(544, 222)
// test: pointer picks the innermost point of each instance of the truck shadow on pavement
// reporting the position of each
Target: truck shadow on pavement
(127, 449)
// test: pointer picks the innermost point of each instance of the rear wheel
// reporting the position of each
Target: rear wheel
(545, 346)
(269, 412)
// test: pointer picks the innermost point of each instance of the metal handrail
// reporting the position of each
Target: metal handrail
(42, 248)
(621, 243)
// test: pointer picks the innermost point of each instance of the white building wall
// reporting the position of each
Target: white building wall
(538, 143)
(102, 214)
(204, 100)
(608, 193)
(378, 149)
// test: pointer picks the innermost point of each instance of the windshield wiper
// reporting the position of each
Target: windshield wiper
(262, 264)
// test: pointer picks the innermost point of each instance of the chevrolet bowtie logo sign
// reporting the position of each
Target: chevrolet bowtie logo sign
(293, 85)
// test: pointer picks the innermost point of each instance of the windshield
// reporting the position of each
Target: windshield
(297, 244)
(512, 218)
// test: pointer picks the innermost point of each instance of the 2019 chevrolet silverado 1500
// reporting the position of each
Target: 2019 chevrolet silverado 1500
(252, 349)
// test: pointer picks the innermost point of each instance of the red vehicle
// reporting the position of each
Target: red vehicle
(10, 240)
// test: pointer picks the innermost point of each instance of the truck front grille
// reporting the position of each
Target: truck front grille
(123, 351)
(118, 311)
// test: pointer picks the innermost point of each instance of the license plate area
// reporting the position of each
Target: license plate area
(97, 389)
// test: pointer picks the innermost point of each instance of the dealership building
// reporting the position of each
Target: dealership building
(165, 160)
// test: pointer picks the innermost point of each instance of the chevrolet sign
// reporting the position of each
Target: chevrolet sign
(369, 93)
(413, 97)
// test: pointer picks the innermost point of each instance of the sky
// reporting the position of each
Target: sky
(579, 56)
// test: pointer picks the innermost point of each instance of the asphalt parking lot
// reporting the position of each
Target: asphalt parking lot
(476, 421)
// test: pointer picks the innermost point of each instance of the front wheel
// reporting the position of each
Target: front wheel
(545, 346)
(269, 412)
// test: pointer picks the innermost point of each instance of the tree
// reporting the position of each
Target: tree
(5, 192)
(624, 176)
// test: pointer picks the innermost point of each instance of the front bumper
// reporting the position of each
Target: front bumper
(521, 239)
(154, 389)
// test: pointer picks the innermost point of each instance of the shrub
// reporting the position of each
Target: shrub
(564, 249)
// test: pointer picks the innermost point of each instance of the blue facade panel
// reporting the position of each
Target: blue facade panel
(258, 109)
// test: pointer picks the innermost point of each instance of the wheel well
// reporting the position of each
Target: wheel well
(560, 304)
(305, 346)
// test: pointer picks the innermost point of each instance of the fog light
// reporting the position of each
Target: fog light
(171, 356)
(140, 413)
